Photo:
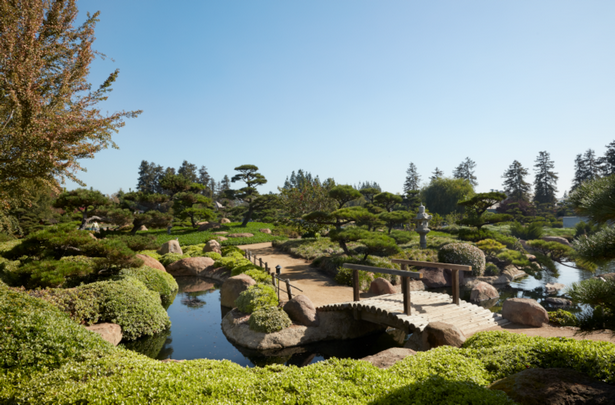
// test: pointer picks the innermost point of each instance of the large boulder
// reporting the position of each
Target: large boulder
(553, 288)
(171, 246)
(388, 357)
(381, 286)
(525, 311)
(225, 221)
(606, 276)
(301, 310)
(212, 246)
(208, 225)
(417, 285)
(111, 332)
(240, 235)
(436, 278)
(231, 288)
(483, 292)
(558, 301)
(434, 335)
(142, 228)
(151, 262)
(555, 386)
(191, 266)
(557, 239)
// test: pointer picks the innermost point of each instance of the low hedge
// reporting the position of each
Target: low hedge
(269, 320)
(155, 280)
(444, 375)
(127, 302)
(463, 253)
(255, 297)
(35, 335)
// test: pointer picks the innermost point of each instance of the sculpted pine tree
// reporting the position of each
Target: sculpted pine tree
(413, 179)
(545, 179)
(515, 185)
(465, 170)
(48, 115)
(252, 178)
(83, 200)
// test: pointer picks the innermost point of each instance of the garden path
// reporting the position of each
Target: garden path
(323, 290)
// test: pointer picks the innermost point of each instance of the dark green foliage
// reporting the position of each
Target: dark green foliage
(600, 295)
(155, 280)
(474, 235)
(442, 195)
(533, 230)
(83, 199)
(35, 335)
(127, 302)
(491, 270)
(401, 237)
(256, 297)
(137, 242)
(379, 245)
(269, 320)
(387, 200)
(545, 180)
(515, 186)
(476, 208)
(463, 253)
(344, 194)
(53, 273)
(465, 171)
(252, 178)
(563, 318)
(395, 218)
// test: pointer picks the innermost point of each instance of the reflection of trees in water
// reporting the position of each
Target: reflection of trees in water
(150, 346)
(192, 301)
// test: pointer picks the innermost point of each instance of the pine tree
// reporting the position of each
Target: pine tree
(465, 170)
(515, 185)
(413, 179)
(586, 167)
(607, 162)
(545, 179)
(149, 177)
(189, 171)
(437, 174)
(225, 184)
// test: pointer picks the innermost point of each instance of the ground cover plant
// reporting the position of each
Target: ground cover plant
(190, 236)
(99, 373)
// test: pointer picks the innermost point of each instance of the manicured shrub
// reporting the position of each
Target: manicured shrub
(490, 247)
(232, 262)
(531, 231)
(401, 237)
(54, 273)
(36, 335)
(269, 320)
(137, 242)
(127, 302)
(169, 258)
(463, 253)
(255, 297)
(563, 318)
(226, 250)
(212, 255)
(259, 276)
(155, 280)
(491, 270)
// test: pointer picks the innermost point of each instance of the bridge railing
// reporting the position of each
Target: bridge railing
(406, 276)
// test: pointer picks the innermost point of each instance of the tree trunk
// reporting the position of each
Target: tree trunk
(246, 219)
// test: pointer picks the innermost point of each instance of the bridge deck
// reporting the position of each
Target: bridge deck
(426, 307)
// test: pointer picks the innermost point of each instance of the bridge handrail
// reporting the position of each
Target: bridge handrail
(402, 273)
(433, 264)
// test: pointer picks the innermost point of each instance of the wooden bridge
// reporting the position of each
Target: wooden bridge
(426, 307)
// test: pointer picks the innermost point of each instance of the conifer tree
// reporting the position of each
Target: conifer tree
(413, 179)
(465, 170)
(607, 162)
(189, 171)
(515, 185)
(437, 174)
(586, 167)
(545, 179)
(252, 178)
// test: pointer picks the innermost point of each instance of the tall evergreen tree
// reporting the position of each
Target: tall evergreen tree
(545, 179)
(515, 185)
(189, 171)
(607, 162)
(465, 170)
(225, 184)
(586, 167)
(413, 179)
(149, 177)
(204, 179)
(437, 174)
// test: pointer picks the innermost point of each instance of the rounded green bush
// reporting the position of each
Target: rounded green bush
(169, 258)
(491, 269)
(35, 334)
(212, 255)
(155, 280)
(127, 302)
(226, 250)
(258, 275)
(269, 320)
(463, 253)
(255, 297)
(563, 318)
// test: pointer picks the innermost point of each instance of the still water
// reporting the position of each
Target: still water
(196, 333)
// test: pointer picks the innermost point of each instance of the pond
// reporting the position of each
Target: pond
(196, 315)
(196, 333)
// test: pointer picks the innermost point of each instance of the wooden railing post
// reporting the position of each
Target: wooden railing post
(355, 285)
(267, 267)
(260, 262)
(290, 294)
(405, 289)
(455, 285)
(273, 281)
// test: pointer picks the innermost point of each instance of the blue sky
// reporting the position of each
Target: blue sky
(354, 90)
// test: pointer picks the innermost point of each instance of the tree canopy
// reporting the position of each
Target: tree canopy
(465, 171)
(48, 114)
(442, 195)
(545, 179)
(515, 185)
(252, 178)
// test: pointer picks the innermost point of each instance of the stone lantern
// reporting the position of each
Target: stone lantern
(422, 223)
